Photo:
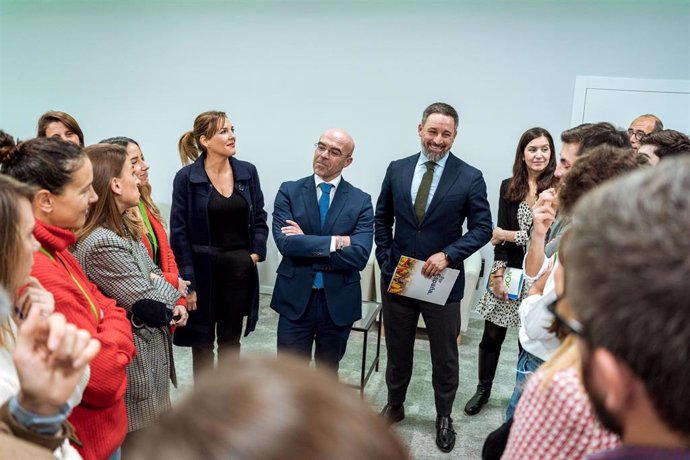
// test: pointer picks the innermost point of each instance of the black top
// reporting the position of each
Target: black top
(508, 220)
(228, 220)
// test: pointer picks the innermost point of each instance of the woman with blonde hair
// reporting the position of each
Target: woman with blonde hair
(113, 256)
(62, 176)
(218, 233)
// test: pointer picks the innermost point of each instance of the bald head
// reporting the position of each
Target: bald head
(641, 126)
(344, 136)
(333, 153)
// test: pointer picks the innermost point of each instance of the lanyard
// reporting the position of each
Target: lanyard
(83, 291)
(152, 235)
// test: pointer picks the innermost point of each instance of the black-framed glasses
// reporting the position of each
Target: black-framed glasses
(571, 325)
(323, 148)
(638, 135)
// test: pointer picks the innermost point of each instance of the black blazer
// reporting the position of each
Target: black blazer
(190, 238)
(511, 253)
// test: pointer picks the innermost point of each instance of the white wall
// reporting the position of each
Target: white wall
(285, 71)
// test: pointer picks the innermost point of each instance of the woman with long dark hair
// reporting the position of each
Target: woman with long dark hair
(533, 169)
(218, 233)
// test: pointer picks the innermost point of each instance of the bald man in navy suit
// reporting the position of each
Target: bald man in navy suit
(428, 196)
(323, 226)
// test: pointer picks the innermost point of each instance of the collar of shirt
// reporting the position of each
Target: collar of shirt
(440, 164)
(334, 182)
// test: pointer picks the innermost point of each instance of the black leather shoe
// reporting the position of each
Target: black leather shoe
(393, 414)
(445, 434)
(479, 399)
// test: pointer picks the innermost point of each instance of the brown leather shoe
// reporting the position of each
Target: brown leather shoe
(393, 414)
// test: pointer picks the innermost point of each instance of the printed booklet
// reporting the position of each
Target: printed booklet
(408, 281)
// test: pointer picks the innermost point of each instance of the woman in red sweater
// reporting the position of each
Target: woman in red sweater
(155, 237)
(63, 175)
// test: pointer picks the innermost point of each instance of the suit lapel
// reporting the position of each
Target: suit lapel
(336, 206)
(406, 175)
(448, 178)
(312, 206)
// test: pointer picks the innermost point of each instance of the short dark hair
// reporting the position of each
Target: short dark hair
(603, 133)
(443, 109)
(600, 165)
(45, 162)
(590, 135)
(627, 275)
(668, 142)
(119, 140)
(575, 135)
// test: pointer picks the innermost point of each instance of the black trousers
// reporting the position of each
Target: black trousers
(400, 317)
(234, 287)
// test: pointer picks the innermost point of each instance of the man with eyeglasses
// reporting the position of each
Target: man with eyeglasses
(323, 227)
(627, 283)
(641, 127)
(424, 201)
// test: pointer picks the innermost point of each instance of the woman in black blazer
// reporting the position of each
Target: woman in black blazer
(218, 233)
(533, 168)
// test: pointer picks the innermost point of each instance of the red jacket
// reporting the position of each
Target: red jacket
(101, 417)
(167, 262)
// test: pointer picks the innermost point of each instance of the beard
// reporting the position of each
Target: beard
(607, 419)
(432, 156)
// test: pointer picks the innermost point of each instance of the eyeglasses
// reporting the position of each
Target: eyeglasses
(638, 135)
(572, 326)
(332, 152)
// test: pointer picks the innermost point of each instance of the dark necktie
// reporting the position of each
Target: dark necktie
(324, 202)
(423, 191)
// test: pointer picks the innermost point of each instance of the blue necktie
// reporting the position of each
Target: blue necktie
(324, 202)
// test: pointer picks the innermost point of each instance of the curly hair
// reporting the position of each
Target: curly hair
(596, 167)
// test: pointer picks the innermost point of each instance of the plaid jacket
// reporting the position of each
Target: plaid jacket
(120, 268)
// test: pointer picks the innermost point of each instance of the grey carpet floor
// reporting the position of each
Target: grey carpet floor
(417, 429)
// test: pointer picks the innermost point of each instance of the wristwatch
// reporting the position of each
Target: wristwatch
(48, 425)
(447, 257)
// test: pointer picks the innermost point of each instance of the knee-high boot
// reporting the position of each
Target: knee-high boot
(488, 361)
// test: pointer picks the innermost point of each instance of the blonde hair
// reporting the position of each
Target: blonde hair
(206, 124)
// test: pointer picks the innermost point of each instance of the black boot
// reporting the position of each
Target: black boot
(487, 370)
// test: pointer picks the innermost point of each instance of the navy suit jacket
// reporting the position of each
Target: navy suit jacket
(350, 214)
(460, 196)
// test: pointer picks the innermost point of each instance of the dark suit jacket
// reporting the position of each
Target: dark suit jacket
(350, 214)
(508, 252)
(190, 238)
(460, 195)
